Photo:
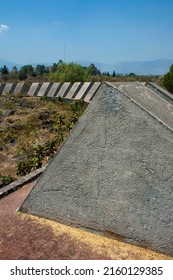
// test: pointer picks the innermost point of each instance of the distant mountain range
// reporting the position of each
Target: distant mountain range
(9, 64)
(152, 67)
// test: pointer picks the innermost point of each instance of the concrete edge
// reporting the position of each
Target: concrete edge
(4, 191)
(137, 103)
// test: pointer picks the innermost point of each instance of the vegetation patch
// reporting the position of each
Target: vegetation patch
(32, 130)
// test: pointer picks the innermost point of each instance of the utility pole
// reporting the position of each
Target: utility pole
(64, 53)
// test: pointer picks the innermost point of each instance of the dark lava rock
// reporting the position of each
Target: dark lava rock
(8, 113)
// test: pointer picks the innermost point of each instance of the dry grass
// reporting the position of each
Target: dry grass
(28, 121)
(100, 245)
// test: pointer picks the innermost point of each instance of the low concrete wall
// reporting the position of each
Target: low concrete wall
(20, 182)
(85, 91)
(13, 88)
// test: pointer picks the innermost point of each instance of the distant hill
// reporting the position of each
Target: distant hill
(8, 63)
(152, 67)
(155, 67)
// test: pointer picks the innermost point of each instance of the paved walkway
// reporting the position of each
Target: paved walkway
(26, 237)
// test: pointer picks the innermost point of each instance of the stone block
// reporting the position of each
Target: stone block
(84, 89)
(21, 88)
(92, 92)
(64, 89)
(1, 88)
(73, 90)
(8, 88)
(44, 89)
(54, 89)
(34, 89)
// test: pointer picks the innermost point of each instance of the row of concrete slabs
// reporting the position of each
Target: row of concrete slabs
(13, 88)
(67, 90)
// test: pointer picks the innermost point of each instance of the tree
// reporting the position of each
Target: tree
(4, 70)
(114, 74)
(4, 73)
(22, 74)
(30, 70)
(14, 73)
(54, 67)
(92, 70)
(71, 72)
(26, 71)
(14, 69)
(168, 80)
(40, 70)
(131, 74)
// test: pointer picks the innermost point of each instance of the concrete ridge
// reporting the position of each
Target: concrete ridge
(77, 90)
(20, 182)
(147, 99)
(67, 90)
(160, 91)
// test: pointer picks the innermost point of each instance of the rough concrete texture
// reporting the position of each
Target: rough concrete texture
(21, 88)
(149, 100)
(112, 175)
(34, 89)
(1, 88)
(8, 88)
(44, 89)
(160, 91)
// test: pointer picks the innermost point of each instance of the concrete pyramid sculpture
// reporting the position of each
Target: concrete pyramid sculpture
(114, 173)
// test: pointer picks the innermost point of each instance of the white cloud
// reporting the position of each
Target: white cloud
(3, 27)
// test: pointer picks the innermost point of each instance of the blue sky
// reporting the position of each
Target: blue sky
(105, 31)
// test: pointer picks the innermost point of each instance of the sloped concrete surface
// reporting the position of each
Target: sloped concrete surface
(149, 100)
(160, 91)
(113, 175)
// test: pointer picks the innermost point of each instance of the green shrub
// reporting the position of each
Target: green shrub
(168, 80)
(6, 180)
(71, 123)
(34, 156)
(23, 167)
(50, 147)
(78, 105)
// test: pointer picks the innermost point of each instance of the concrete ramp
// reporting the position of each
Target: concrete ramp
(54, 89)
(21, 88)
(72, 92)
(83, 90)
(8, 88)
(90, 94)
(113, 174)
(1, 88)
(44, 89)
(160, 91)
(34, 89)
(149, 100)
